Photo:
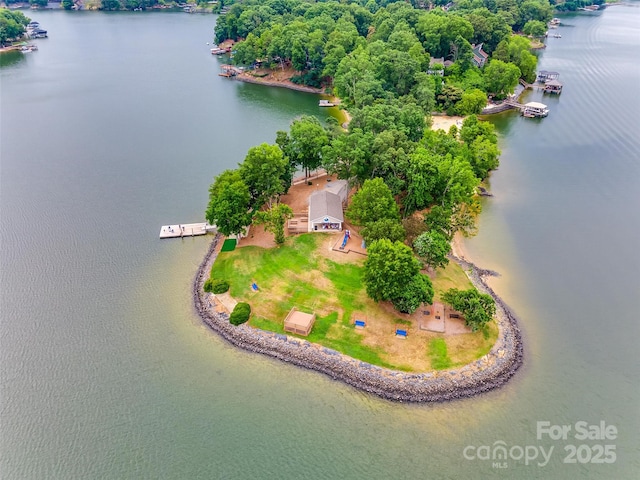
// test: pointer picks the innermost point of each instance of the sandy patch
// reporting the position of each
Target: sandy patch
(444, 122)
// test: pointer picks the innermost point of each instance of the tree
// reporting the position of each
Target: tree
(535, 28)
(373, 202)
(517, 50)
(350, 156)
(472, 101)
(419, 290)
(111, 5)
(483, 156)
(307, 138)
(477, 308)
(265, 172)
(229, 203)
(433, 247)
(501, 77)
(67, 4)
(12, 24)
(438, 219)
(274, 220)
(473, 128)
(385, 228)
(388, 269)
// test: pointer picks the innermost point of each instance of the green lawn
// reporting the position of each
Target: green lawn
(297, 274)
(438, 354)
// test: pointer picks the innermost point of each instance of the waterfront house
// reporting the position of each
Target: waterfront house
(479, 56)
(325, 211)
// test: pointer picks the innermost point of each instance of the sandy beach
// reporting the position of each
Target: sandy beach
(444, 122)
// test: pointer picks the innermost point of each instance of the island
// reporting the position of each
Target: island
(349, 269)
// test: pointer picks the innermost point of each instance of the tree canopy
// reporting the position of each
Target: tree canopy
(477, 308)
(373, 202)
(391, 272)
(229, 203)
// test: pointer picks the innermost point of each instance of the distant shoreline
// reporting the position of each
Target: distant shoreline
(487, 373)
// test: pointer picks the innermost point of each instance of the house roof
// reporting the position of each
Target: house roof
(340, 188)
(325, 204)
(535, 105)
(477, 50)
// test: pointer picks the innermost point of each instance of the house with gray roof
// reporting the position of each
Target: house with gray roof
(325, 211)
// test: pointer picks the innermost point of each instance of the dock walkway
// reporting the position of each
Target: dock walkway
(186, 230)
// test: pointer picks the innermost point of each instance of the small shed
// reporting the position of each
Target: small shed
(325, 211)
(298, 322)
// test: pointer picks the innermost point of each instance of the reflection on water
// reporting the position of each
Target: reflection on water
(14, 57)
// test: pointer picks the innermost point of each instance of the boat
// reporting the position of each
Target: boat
(219, 51)
(326, 103)
(557, 35)
(38, 33)
(535, 110)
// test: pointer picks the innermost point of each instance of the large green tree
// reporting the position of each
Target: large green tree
(307, 139)
(385, 228)
(477, 308)
(229, 203)
(390, 272)
(501, 77)
(266, 172)
(373, 202)
(12, 24)
(433, 247)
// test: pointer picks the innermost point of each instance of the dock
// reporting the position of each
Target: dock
(230, 71)
(186, 230)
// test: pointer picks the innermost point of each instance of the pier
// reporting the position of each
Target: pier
(230, 71)
(186, 230)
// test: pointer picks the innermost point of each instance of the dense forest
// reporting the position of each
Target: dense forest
(380, 49)
(392, 64)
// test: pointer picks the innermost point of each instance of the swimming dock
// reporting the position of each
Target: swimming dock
(186, 230)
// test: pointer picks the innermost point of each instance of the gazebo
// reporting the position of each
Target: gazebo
(298, 322)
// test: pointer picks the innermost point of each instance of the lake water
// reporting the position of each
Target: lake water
(119, 123)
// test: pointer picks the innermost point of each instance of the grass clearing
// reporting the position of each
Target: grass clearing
(438, 354)
(302, 274)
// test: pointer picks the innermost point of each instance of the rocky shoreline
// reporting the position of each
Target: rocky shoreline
(485, 374)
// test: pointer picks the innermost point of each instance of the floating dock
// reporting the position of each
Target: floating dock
(186, 230)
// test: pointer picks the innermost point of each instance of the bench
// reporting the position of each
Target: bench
(360, 323)
(401, 333)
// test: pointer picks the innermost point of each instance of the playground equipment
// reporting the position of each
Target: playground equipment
(347, 236)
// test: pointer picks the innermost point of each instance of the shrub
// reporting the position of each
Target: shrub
(216, 286)
(240, 313)
(220, 286)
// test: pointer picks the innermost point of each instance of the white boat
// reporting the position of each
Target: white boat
(326, 103)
